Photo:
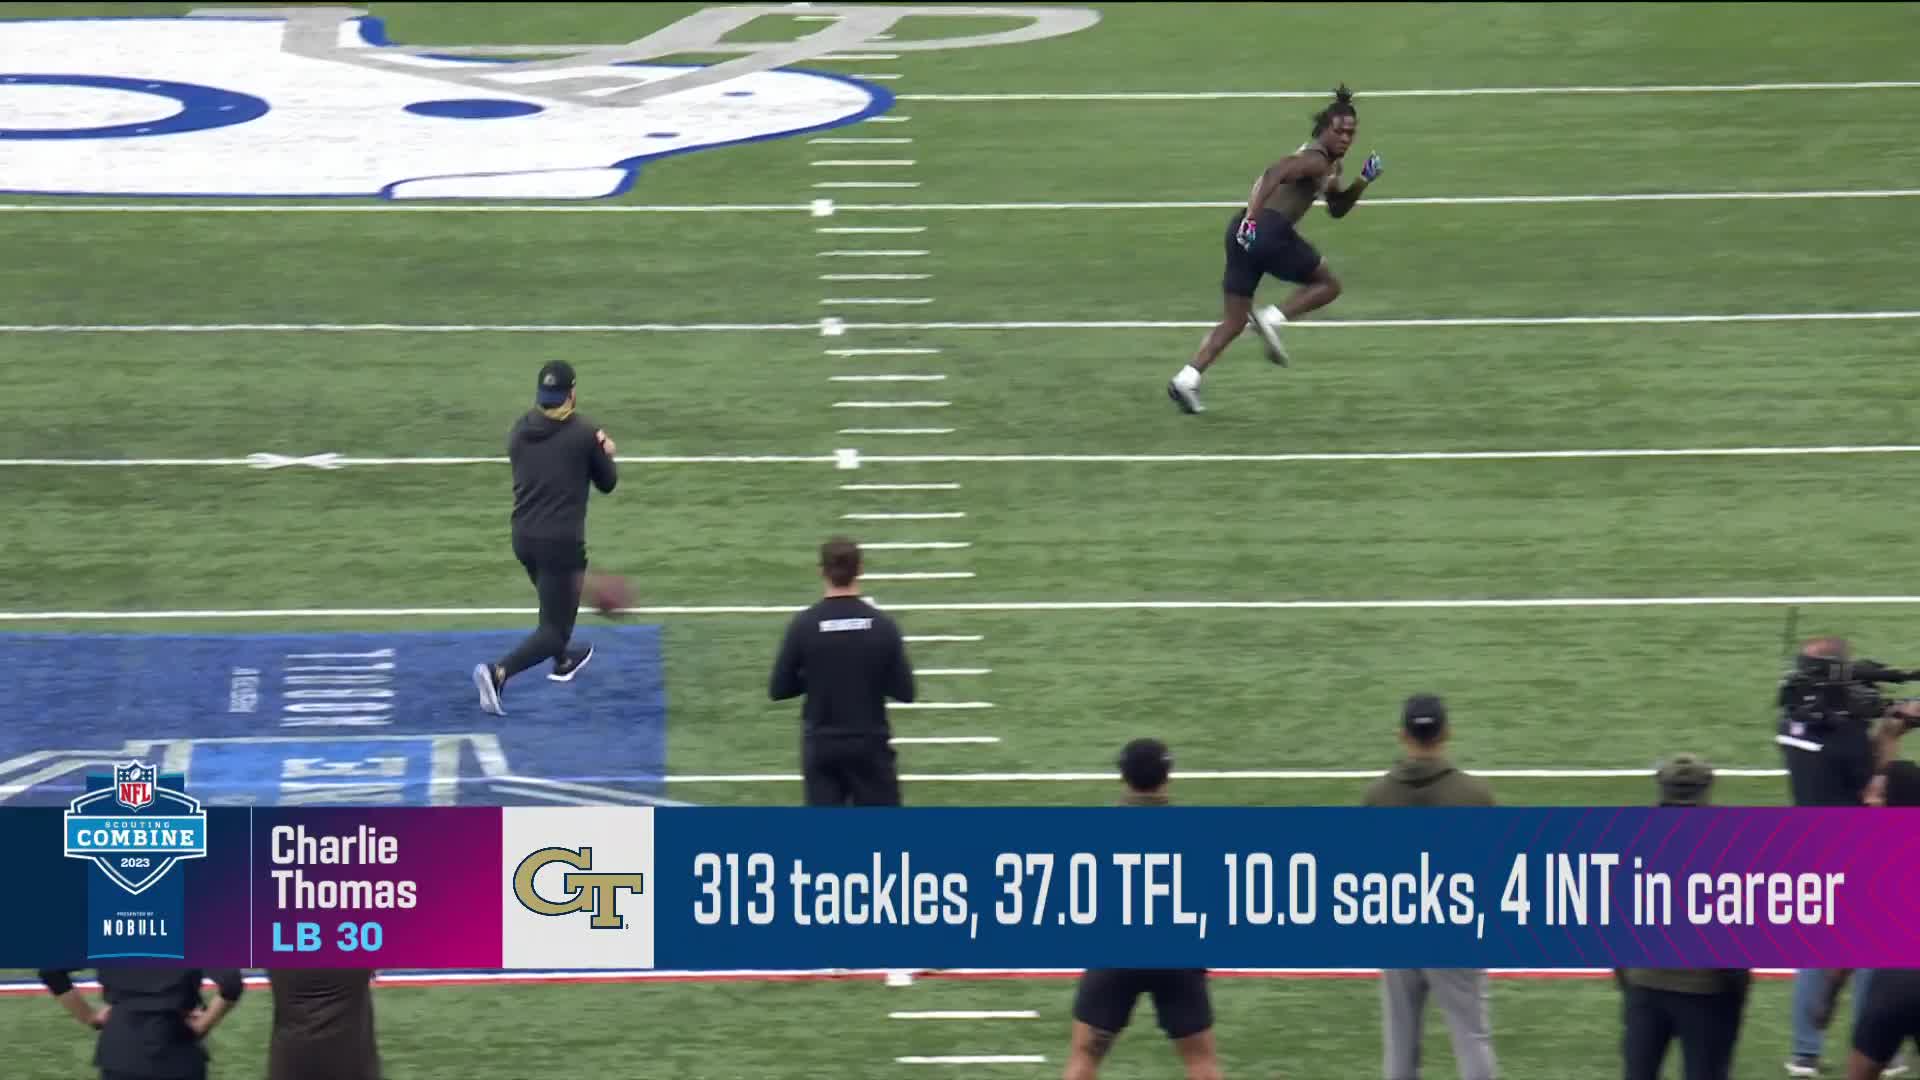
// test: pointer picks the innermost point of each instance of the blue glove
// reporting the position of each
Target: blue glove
(1247, 234)
(1371, 170)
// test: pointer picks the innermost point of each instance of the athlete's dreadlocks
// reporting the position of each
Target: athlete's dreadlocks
(1342, 106)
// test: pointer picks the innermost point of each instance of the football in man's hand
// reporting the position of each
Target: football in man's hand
(607, 593)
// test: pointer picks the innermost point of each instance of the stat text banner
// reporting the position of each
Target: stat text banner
(794, 889)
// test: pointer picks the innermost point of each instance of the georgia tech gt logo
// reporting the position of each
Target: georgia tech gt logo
(597, 893)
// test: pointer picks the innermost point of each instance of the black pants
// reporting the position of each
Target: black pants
(1706, 1025)
(555, 567)
(849, 772)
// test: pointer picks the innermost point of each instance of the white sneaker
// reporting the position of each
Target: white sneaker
(1187, 399)
(1266, 321)
(489, 693)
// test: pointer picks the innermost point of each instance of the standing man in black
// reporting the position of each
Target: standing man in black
(848, 658)
(154, 1020)
(1702, 1008)
(322, 1025)
(556, 453)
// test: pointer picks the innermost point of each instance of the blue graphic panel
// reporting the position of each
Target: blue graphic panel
(333, 719)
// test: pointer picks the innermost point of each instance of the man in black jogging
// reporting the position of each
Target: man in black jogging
(556, 453)
(848, 657)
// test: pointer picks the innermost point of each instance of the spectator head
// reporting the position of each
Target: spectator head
(1423, 722)
(1145, 765)
(840, 562)
(1684, 780)
(1899, 785)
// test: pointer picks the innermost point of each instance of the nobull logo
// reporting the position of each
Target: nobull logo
(317, 102)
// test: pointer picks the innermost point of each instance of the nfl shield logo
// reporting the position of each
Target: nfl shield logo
(133, 785)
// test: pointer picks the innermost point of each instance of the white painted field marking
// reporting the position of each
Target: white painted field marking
(1477, 91)
(1203, 774)
(941, 638)
(942, 575)
(944, 740)
(845, 163)
(891, 404)
(958, 671)
(921, 545)
(967, 1014)
(888, 119)
(832, 329)
(956, 207)
(1550, 602)
(874, 277)
(861, 56)
(872, 253)
(868, 184)
(940, 705)
(877, 301)
(338, 461)
(886, 378)
(883, 352)
(876, 230)
(902, 141)
(897, 431)
(899, 487)
(885, 77)
(942, 516)
(974, 1059)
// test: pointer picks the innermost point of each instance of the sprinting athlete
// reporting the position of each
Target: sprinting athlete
(1262, 240)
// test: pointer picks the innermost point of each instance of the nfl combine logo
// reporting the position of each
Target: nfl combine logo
(134, 785)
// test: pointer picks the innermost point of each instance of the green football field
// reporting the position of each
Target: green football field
(1567, 451)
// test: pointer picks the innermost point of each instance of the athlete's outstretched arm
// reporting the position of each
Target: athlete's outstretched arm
(1339, 202)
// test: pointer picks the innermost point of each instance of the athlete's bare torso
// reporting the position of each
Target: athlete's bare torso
(1296, 198)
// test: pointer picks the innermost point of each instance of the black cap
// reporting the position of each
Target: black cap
(1145, 764)
(1684, 780)
(556, 382)
(1424, 716)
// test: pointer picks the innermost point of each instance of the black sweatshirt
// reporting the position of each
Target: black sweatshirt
(553, 461)
(847, 657)
(147, 1033)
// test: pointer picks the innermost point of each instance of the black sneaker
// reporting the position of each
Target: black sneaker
(565, 668)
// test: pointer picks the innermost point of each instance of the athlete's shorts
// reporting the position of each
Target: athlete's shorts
(1889, 1016)
(1106, 998)
(1278, 249)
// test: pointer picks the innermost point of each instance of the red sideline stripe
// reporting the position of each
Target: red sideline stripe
(636, 977)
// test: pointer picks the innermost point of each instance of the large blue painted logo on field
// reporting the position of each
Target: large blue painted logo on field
(320, 719)
(317, 102)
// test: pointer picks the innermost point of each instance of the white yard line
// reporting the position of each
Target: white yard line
(944, 706)
(918, 575)
(903, 141)
(856, 163)
(874, 277)
(944, 638)
(339, 461)
(953, 207)
(1517, 603)
(817, 326)
(1206, 774)
(869, 230)
(891, 404)
(884, 352)
(1477, 91)
(943, 516)
(921, 545)
(877, 301)
(888, 119)
(974, 1059)
(897, 431)
(967, 1014)
(873, 253)
(959, 671)
(944, 740)
(899, 487)
(868, 184)
(887, 378)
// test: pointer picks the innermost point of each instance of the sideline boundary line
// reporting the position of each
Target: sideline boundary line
(538, 978)
(1467, 91)
(1215, 774)
(833, 327)
(1546, 602)
(807, 208)
(338, 461)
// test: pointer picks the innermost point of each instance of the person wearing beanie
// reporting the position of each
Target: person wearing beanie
(1701, 1008)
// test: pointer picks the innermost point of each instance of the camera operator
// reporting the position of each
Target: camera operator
(1828, 705)
(1887, 1014)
